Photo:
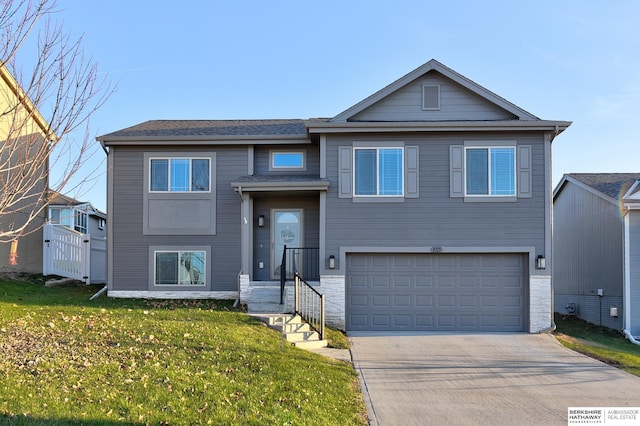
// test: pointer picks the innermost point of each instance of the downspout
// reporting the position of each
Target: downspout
(237, 301)
(103, 289)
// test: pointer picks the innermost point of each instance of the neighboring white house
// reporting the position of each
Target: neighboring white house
(77, 215)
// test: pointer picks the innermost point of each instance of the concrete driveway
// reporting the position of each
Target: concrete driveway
(482, 379)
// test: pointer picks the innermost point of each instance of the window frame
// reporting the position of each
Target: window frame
(377, 149)
(274, 167)
(179, 252)
(169, 174)
(490, 148)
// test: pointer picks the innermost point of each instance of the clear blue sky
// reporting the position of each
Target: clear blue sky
(574, 60)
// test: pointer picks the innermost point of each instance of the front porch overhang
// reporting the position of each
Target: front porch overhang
(277, 183)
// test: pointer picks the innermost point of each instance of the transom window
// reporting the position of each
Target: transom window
(378, 172)
(180, 267)
(287, 160)
(490, 171)
(179, 174)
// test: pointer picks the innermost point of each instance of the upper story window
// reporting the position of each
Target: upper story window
(490, 171)
(80, 221)
(60, 216)
(180, 175)
(287, 160)
(378, 172)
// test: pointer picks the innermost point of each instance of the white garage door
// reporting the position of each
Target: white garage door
(436, 292)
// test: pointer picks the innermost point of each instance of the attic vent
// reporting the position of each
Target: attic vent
(430, 97)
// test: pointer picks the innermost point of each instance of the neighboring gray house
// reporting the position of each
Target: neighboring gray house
(589, 246)
(426, 206)
(631, 212)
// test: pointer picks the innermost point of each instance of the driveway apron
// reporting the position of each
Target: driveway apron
(482, 379)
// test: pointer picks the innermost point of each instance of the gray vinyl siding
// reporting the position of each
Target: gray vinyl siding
(634, 265)
(131, 246)
(456, 103)
(94, 229)
(262, 159)
(588, 255)
(436, 218)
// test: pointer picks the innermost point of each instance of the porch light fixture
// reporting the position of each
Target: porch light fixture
(541, 262)
(261, 221)
(332, 262)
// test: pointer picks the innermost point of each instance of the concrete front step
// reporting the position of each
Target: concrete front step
(294, 329)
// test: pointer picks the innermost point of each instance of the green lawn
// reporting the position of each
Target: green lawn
(68, 360)
(602, 343)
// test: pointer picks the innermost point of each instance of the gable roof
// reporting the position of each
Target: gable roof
(434, 65)
(609, 186)
(10, 81)
(298, 130)
(61, 200)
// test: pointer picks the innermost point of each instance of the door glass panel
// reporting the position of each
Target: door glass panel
(287, 231)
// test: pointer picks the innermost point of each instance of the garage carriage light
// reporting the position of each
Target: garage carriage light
(541, 262)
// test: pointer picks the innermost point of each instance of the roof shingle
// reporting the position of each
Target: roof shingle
(615, 185)
(213, 128)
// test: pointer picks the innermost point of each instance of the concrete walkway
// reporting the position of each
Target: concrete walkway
(482, 379)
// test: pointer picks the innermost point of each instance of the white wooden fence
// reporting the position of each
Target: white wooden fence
(71, 254)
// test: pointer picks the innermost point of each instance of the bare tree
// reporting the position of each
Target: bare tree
(52, 89)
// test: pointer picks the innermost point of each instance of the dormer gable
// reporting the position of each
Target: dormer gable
(432, 93)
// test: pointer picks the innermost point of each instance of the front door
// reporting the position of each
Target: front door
(286, 229)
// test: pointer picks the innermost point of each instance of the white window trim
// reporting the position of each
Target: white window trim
(377, 195)
(425, 108)
(489, 194)
(169, 174)
(155, 258)
(273, 153)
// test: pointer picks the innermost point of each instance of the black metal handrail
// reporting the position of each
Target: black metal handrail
(309, 304)
(301, 260)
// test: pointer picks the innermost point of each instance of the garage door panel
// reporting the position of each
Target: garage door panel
(445, 281)
(378, 320)
(401, 281)
(380, 281)
(402, 301)
(356, 280)
(378, 301)
(470, 301)
(424, 281)
(380, 262)
(402, 321)
(359, 301)
(423, 301)
(469, 292)
(468, 281)
(424, 321)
